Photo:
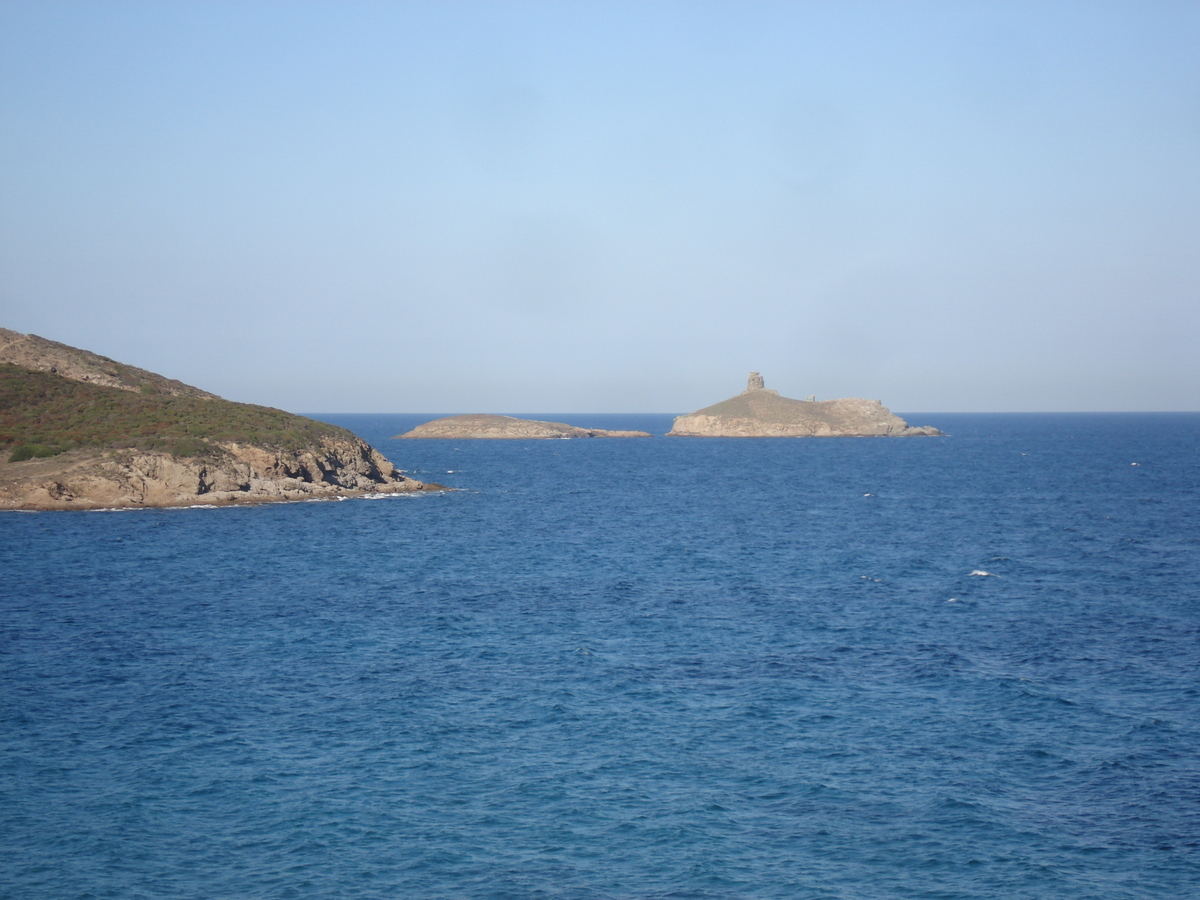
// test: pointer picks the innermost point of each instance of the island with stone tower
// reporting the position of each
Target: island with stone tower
(759, 411)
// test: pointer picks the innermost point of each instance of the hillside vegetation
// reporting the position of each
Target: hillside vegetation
(44, 414)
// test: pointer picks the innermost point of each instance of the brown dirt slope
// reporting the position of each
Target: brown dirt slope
(32, 352)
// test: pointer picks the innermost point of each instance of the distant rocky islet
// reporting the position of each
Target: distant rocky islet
(756, 412)
(761, 412)
(494, 427)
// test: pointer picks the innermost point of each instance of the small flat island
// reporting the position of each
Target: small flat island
(479, 426)
(761, 412)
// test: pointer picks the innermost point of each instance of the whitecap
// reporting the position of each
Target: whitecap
(981, 573)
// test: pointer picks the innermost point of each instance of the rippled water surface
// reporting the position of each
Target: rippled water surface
(961, 667)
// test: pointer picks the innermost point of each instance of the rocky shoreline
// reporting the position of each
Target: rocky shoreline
(122, 479)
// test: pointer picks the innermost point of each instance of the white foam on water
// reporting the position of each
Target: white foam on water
(982, 573)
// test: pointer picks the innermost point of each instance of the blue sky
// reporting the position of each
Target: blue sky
(606, 206)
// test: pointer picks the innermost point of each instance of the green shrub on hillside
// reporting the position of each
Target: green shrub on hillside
(52, 413)
(33, 451)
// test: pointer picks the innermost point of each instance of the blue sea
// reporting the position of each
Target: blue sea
(954, 667)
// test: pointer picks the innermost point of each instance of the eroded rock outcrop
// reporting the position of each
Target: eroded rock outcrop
(101, 479)
(761, 412)
(478, 426)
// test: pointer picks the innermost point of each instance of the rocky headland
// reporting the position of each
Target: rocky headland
(81, 431)
(761, 412)
(508, 428)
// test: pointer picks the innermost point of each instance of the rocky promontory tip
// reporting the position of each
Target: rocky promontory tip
(80, 431)
(761, 412)
(478, 426)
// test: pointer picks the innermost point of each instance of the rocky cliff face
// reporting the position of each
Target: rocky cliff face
(98, 479)
(507, 428)
(760, 412)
